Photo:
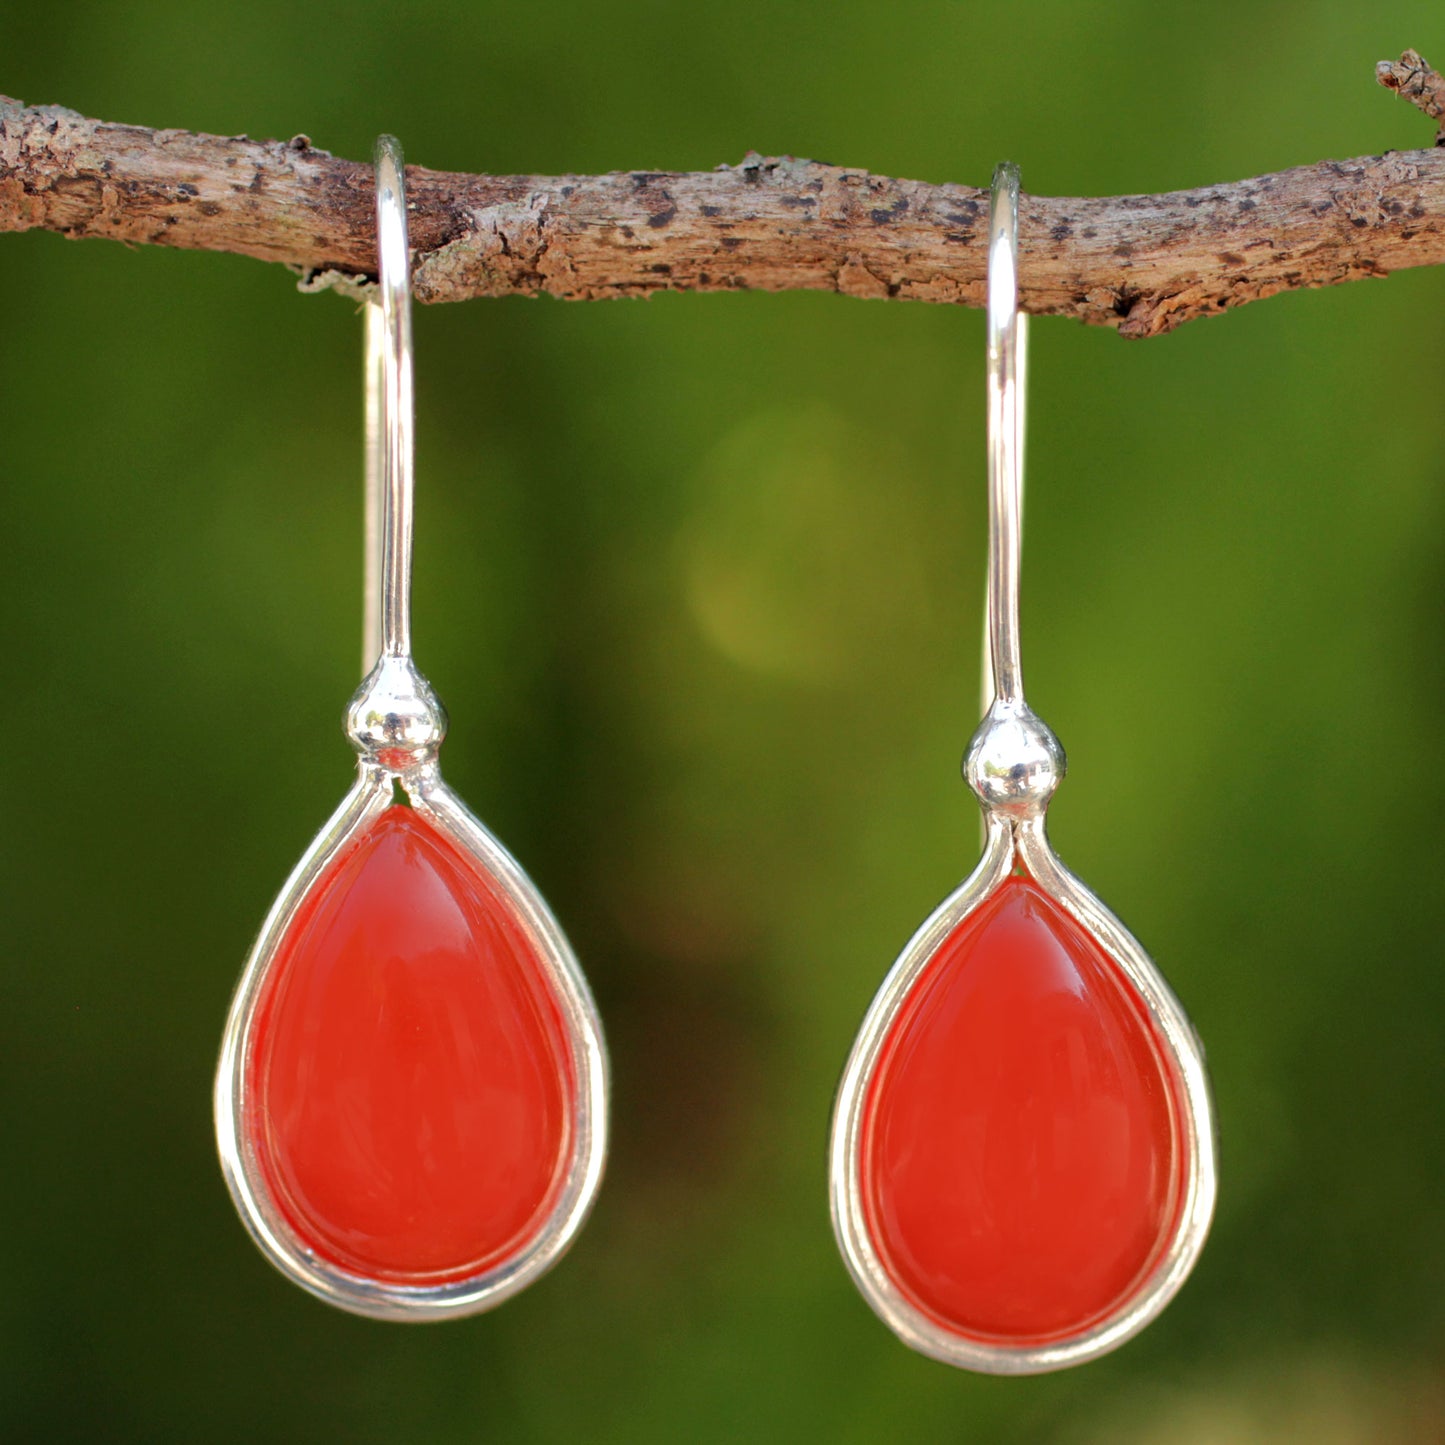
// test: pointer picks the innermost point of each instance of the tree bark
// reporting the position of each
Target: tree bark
(1141, 264)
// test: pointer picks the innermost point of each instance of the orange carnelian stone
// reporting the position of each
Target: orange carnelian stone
(1022, 1155)
(409, 1090)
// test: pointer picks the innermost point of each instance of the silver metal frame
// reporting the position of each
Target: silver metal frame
(1014, 764)
(397, 725)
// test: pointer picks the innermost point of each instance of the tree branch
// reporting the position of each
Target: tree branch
(1143, 264)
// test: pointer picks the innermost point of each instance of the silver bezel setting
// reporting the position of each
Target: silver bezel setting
(443, 810)
(1024, 841)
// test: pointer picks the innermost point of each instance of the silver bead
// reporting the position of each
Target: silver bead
(396, 719)
(1014, 761)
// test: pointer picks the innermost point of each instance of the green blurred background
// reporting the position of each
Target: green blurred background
(700, 581)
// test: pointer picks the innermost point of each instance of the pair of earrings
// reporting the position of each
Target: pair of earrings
(411, 1101)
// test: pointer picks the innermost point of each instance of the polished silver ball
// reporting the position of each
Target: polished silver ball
(395, 719)
(1014, 762)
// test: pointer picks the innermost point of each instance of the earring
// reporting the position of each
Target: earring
(1022, 1166)
(411, 1100)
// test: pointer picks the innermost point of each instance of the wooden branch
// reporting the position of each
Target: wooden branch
(1142, 264)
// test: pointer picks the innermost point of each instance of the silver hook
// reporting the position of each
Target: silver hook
(1007, 357)
(395, 719)
(392, 507)
(1014, 762)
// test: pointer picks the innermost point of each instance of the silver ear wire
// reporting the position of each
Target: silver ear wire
(395, 719)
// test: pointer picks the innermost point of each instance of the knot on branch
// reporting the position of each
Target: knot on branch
(502, 251)
(1412, 76)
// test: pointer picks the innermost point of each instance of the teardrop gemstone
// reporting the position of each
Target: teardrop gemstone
(1022, 1151)
(409, 1087)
